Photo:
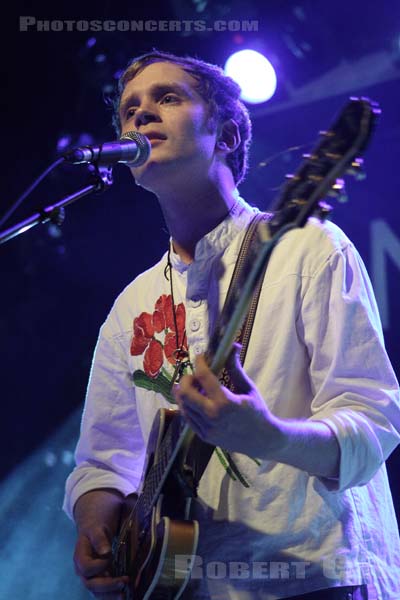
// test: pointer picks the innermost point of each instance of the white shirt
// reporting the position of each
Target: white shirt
(316, 352)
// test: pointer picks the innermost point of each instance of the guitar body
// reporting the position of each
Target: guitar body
(151, 540)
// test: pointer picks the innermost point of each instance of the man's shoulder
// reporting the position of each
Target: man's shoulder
(305, 250)
(138, 296)
(327, 233)
(144, 282)
(147, 277)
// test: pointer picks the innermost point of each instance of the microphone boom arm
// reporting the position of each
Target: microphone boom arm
(55, 212)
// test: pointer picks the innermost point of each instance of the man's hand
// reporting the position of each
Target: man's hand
(243, 423)
(97, 516)
(239, 422)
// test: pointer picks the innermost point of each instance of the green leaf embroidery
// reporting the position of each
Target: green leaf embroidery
(160, 384)
(234, 469)
(224, 463)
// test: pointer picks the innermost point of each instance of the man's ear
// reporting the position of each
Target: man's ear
(229, 136)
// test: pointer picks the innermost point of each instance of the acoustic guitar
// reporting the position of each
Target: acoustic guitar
(158, 530)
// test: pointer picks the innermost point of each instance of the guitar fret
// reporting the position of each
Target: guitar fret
(151, 485)
(157, 471)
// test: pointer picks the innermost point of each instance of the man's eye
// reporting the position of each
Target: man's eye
(130, 112)
(168, 98)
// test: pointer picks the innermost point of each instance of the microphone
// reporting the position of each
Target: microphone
(132, 149)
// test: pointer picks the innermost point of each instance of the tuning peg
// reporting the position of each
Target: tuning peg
(356, 169)
(338, 191)
(342, 198)
(338, 185)
(323, 210)
(316, 178)
(333, 156)
(291, 177)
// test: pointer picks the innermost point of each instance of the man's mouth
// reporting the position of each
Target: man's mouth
(154, 141)
(155, 136)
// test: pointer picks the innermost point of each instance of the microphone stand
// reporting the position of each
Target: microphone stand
(55, 213)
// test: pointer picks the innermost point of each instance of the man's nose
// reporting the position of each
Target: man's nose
(144, 116)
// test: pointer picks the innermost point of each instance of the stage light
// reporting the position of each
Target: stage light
(91, 42)
(63, 142)
(254, 73)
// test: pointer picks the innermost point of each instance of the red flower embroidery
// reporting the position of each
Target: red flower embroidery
(170, 347)
(180, 320)
(163, 316)
(153, 359)
(143, 332)
(162, 320)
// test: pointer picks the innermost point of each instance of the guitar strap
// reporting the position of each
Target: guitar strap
(199, 453)
(248, 251)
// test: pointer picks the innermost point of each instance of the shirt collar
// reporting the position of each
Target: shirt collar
(218, 239)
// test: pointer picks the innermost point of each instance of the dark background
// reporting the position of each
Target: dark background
(57, 284)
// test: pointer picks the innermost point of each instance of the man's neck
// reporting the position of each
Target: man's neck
(191, 216)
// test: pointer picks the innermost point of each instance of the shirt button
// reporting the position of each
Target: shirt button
(195, 325)
(198, 349)
(194, 303)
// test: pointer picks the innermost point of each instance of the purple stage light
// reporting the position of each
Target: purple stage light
(91, 42)
(63, 142)
(254, 73)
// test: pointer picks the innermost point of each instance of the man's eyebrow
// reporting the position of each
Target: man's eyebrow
(157, 90)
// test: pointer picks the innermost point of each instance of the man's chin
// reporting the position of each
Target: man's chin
(152, 174)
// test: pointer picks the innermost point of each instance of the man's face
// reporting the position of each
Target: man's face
(162, 103)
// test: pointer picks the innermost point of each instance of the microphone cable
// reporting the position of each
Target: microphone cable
(29, 190)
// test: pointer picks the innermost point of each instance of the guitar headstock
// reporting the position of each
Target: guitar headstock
(338, 152)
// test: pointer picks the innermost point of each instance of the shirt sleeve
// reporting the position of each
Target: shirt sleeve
(355, 391)
(110, 451)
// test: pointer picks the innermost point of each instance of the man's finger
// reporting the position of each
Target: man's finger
(195, 420)
(85, 563)
(105, 585)
(206, 378)
(242, 383)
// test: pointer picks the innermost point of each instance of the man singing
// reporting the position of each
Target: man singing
(306, 512)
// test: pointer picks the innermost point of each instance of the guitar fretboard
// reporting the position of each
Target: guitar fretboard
(159, 470)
